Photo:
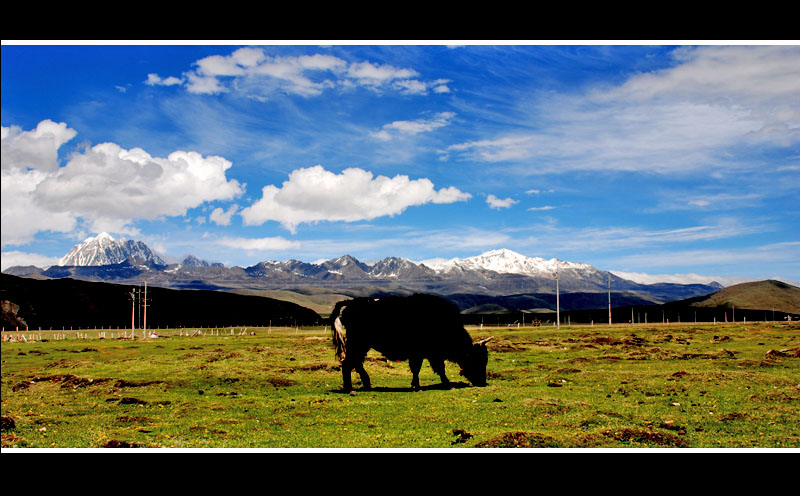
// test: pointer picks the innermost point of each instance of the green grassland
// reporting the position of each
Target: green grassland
(730, 385)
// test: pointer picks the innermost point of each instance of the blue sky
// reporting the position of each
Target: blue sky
(658, 162)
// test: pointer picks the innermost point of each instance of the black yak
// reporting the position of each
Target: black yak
(412, 328)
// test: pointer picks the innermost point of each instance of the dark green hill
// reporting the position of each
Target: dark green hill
(759, 295)
(66, 303)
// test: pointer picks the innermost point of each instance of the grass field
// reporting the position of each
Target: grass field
(646, 386)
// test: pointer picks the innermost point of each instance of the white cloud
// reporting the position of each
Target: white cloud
(257, 244)
(616, 239)
(461, 239)
(788, 252)
(109, 181)
(683, 118)
(204, 85)
(369, 74)
(497, 203)
(155, 80)
(104, 185)
(35, 149)
(314, 194)
(388, 131)
(28, 158)
(256, 74)
(545, 207)
(221, 217)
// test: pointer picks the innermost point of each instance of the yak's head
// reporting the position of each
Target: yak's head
(474, 366)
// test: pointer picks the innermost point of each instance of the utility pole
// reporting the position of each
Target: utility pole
(133, 308)
(609, 299)
(145, 305)
(558, 304)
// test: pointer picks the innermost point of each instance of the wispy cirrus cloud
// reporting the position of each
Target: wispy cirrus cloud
(256, 73)
(686, 117)
(256, 245)
(582, 243)
(785, 254)
(411, 128)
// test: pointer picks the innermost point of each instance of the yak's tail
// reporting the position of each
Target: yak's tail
(338, 334)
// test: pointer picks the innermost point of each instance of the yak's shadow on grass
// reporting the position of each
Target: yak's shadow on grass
(409, 389)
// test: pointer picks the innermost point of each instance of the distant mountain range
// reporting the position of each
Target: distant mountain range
(497, 273)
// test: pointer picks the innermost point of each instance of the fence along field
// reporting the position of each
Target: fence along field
(731, 385)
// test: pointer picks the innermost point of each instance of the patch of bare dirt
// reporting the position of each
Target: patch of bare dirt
(12, 441)
(647, 436)
(124, 383)
(127, 401)
(707, 356)
(462, 436)
(113, 443)
(786, 352)
(219, 354)
(520, 440)
(65, 381)
(84, 350)
(7, 424)
(280, 382)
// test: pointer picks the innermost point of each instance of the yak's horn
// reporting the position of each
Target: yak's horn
(484, 341)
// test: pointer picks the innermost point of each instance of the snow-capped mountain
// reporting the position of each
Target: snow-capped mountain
(344, 268)
(103, 249)
(399, 268)
(193, 261)
(505, 261)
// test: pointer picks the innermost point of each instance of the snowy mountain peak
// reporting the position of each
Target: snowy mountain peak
(507, 261)
(103, 249)
(101, 238)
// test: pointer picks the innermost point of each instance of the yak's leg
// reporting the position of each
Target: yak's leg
(415, 364)
(438, 366)
(347, 383)
(363, 374)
